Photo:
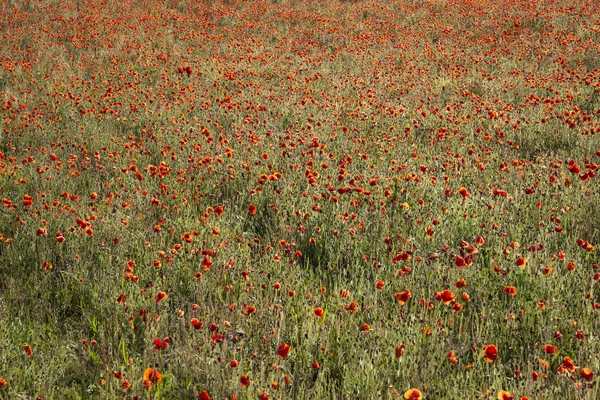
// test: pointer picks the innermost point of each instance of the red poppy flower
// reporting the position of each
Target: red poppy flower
(244, 381)
(403, 297)
(252, 209)
(196, 323)
(3, 382)
(365, 327)
(457, 307)
(399, 351)
(284, 350)
(218, 338)
(204, 396)
(587, 374)
(151, 376)
(380, 284)
(160, 296)
(319, 312)
(521, 262)
(490, 353)
(27, 349)
(161, 344)
(446, 296)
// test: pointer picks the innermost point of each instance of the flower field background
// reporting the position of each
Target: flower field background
(299, 199)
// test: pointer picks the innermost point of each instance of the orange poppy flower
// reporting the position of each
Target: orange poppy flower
(510, 290)
(365, 327)
(3, 382)
(27, 349)
(451, 357)
(151, 376)
(316, 364)
(352, 307)
(319, 312)
(587, 374)
(504, 395)
(252, 209)
(403, 297)
(463, 192)
(429, 231)
(569, 364)
(479, 241)
(521, 262)
(550, 349)
(490, 353)
(160, 296)
(380, 284)
(284, 350)
(413, 394)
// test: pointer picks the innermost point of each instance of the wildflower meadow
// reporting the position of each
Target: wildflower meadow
(299, 199)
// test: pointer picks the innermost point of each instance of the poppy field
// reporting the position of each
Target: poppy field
(299, 199)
